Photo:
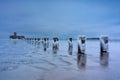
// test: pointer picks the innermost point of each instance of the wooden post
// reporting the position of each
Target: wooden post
(55, 45)
(104, 44)
(70, 46)
(45, 44)
(81, 44)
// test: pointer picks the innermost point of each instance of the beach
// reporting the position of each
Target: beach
(26, 60)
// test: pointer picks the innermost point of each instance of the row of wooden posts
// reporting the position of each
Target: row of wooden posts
(81, 48)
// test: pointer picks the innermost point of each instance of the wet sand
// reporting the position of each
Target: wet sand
(23, 60)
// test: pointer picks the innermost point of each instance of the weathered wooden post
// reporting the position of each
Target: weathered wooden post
(38, 41)
(103, 44)
(70, 46)
(55, 45)
(81, 44)
(45, 44)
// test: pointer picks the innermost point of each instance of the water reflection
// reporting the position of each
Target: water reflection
(14, 42)
(81, 60)
(104, 56)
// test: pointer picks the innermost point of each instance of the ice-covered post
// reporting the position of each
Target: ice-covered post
(45, 44)
(103, 44)
(38, 40)
(55, 45)
(70, 46)
(81, 44)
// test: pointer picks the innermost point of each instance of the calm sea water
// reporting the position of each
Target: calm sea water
(26, 60)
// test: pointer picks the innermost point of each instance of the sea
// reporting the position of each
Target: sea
(27, 60)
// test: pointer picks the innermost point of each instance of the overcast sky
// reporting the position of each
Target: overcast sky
(60, 17)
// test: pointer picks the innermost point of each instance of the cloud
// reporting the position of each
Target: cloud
(60, 17)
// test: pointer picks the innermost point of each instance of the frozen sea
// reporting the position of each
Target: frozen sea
(26, 60)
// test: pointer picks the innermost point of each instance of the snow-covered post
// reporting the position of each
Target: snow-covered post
(55, 45)
(81, 44)
(45, 44)
(70, 46)
(103, 44)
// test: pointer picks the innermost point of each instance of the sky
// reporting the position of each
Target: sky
(62, 18)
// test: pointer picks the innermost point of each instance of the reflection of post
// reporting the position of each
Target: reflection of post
(70, 46)
(14, 42)
(81, 44)
(104, 58)
(81, 60)
(103, 44)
